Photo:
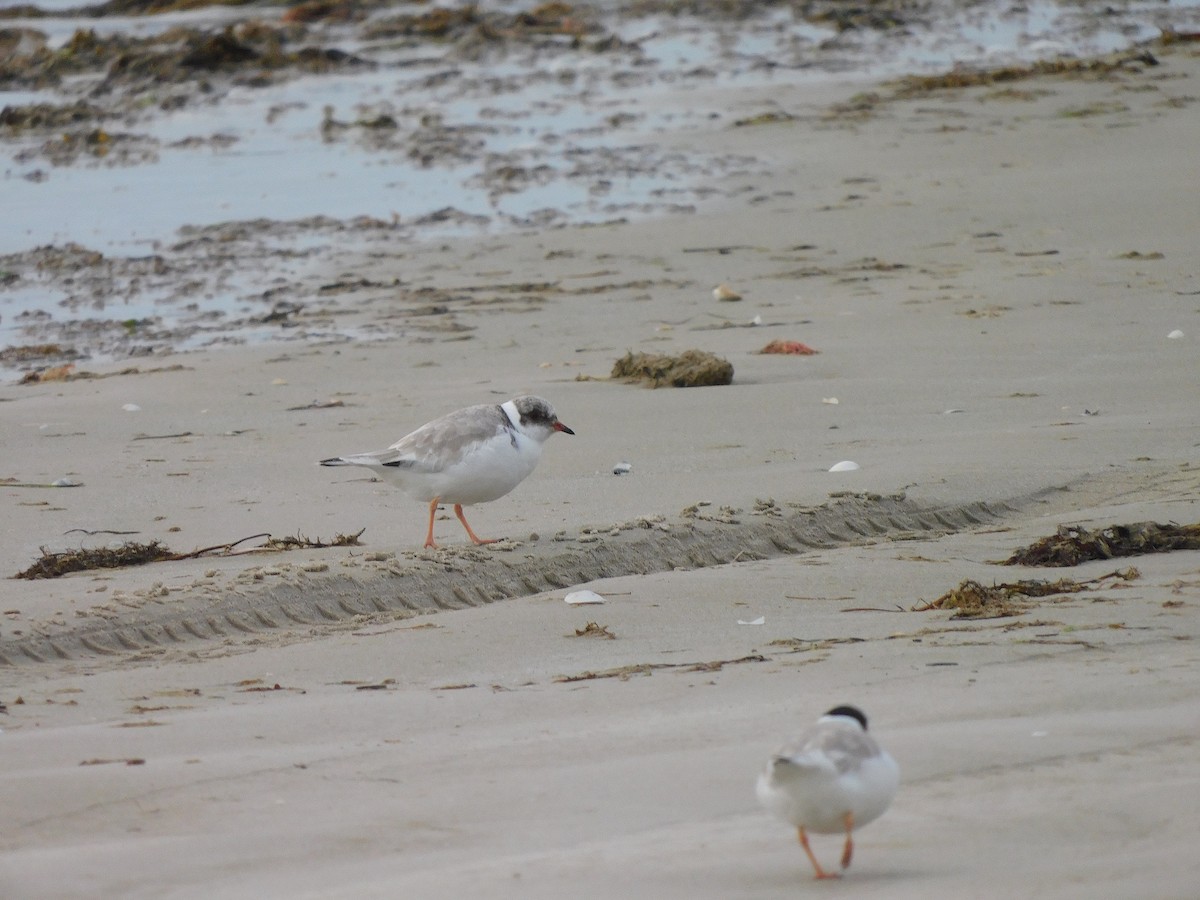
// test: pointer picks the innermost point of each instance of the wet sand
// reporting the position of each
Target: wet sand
(991, 277)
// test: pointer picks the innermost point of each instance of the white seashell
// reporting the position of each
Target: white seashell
(845, 465)
(761, 620)
(726, 294)
(1175, 335)
(622, 468)
(583, 598)
(950, 412)
(757, 320)
(66, 482)
(832, 401)
(131, 407)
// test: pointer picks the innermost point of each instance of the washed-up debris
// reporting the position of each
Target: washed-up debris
(56, 483)
(692, 368)
(972, 600)
(725, 294)
(15, 356)
(67, 373)
(1073, 544)
(583, 598)
(256, 685)
(761, 620)
(846, 465)
(626, 672)
(300, 542)
(962, 77)
(767, 118)
(595, 630)
(133, 553)
(52, 373)
(790, 348)
(622, 468)
(807, 645)
(318, 404)
(161, 437)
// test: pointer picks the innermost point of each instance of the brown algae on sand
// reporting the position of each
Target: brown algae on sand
(54, 564)
(692, 368)
(131, 553)
(1074, 544)
(972, 600)
(963, 77)
(594, 630)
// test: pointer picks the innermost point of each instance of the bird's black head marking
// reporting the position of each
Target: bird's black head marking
(850, 712)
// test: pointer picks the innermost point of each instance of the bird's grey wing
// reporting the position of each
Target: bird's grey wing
(442, 443)
(845, 748)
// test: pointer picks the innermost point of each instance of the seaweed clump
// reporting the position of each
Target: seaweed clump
(131, 553)
(972, 600)
(1073, 544)
(692, 368)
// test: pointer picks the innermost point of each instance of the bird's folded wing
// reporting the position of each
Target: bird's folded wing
(444, 442)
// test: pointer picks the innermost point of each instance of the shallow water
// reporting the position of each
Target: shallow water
(519, 140)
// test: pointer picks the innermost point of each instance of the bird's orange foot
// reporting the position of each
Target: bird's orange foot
(458, 511)
(821, 873)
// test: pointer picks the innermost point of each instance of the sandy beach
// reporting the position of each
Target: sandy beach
(991, 276)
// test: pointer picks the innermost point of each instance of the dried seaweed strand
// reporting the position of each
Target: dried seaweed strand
(131, 553)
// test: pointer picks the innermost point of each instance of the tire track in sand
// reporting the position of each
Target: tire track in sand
(458, 579)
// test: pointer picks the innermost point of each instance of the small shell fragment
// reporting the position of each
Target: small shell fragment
(846, 465)
(131, 407)
(832, 401)
(761, 620)
(725, 294)
(622, 468)
(583, 598)
(1175, 335)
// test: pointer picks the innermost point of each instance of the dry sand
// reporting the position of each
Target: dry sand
(990, 277)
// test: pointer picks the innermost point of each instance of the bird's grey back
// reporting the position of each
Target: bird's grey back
(845, 744)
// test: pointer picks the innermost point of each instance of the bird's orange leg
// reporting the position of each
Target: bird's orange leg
(433, 505)
(821, 873)
(848, 850)
(471, 534)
